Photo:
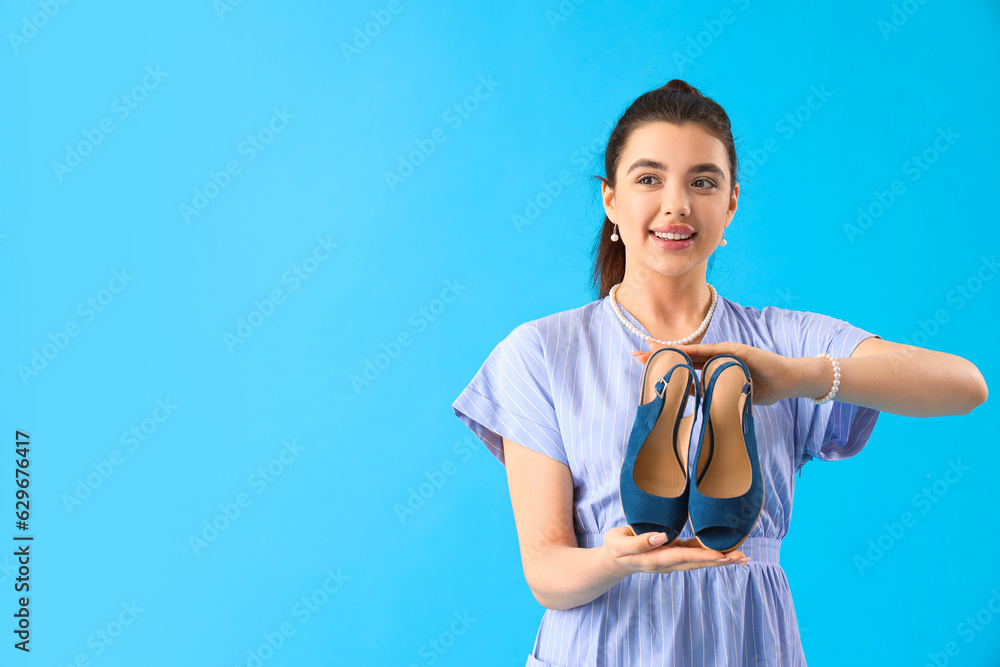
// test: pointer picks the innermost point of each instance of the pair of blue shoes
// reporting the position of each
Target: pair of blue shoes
(727, 495)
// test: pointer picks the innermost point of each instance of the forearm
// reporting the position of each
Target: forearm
(914, 383)
(567, 577)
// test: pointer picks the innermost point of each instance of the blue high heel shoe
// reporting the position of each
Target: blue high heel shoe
(727, 495)
(654, 483)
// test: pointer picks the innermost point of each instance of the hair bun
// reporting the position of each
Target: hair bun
(682, 86)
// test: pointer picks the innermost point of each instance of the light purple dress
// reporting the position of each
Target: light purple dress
(567, 386)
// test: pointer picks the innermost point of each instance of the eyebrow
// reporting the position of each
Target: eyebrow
(709, 167)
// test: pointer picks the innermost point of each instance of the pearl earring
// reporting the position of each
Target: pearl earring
(723, 241)
(614, 234)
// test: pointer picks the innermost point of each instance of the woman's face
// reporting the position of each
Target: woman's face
(670, 178)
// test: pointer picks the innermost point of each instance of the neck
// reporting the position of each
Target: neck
(669, 308)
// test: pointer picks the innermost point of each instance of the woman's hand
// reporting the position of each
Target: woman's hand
(629, 553)
(774, 376)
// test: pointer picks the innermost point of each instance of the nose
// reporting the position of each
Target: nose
(675, 201)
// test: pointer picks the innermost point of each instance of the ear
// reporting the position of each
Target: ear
(608, 198)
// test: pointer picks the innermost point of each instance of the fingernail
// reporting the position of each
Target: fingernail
(658, 538)
(745, 560)
(722, 560)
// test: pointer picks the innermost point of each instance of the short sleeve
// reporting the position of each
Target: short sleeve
(835, 430)
(511, 397)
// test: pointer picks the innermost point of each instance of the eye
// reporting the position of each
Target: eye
(644, 177)
(707, 180)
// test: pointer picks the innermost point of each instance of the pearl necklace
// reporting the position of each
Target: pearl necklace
(682, 341)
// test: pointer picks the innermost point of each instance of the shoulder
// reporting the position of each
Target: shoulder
(770, 317)
(746, 323)
(527, 358)
(765, 316)
(783, 329)
(557, 329)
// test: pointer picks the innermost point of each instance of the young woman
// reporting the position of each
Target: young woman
(556, 399)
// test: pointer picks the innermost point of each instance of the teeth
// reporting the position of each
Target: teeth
(673, 237)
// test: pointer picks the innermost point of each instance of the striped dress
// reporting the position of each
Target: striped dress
(567, 386)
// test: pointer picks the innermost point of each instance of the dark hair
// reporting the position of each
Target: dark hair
(676, 102)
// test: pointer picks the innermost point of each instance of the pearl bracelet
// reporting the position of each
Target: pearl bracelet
(836, 380)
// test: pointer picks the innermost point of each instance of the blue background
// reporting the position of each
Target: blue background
(431, 272)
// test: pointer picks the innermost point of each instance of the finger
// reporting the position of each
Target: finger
(625, 541)
(702, 555)
(696, 556)
(706, 350)
(702, 352)
(689, 542)
(732, 556)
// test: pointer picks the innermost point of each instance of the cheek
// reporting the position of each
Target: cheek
(640, 212)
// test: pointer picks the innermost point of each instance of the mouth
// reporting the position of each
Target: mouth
(673, 241)
(672, 236)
